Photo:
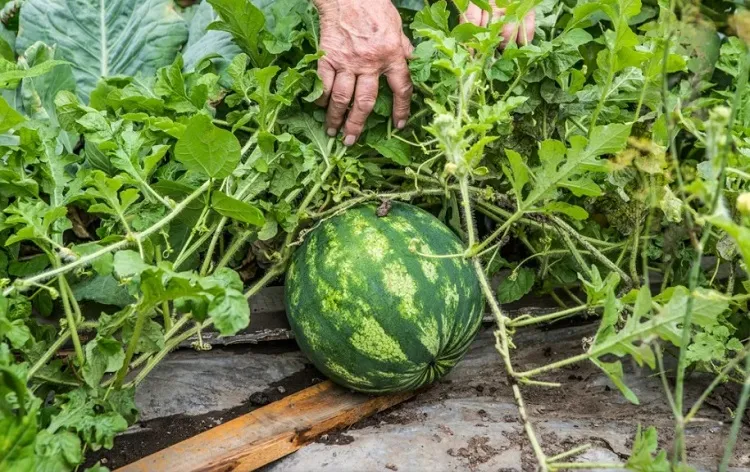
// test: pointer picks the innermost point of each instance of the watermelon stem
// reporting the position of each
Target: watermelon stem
(501, 335)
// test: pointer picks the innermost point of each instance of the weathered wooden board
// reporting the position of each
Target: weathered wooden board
(269, 433)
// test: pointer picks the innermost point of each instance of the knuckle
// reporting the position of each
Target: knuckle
(340, 99)
(355, 122)
(404, 90)
(366, 102)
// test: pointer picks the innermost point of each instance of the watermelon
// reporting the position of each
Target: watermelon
(372, 310)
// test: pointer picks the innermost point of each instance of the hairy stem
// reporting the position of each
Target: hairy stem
(88, 259)
(739, 414)
(140, 322)
(70, 319)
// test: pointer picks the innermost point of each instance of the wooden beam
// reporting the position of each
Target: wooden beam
(269, 433)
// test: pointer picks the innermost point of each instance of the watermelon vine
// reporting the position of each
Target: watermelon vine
(148, 190)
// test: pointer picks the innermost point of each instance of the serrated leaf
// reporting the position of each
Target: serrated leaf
(245, 22)
(516, 285)
(9, 118)
(230, 313)
(102, 355)
(208, 149)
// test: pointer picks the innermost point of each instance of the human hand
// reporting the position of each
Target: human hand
(520, 34)
(361, 41)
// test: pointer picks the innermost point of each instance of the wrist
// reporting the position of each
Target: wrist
(329, 6)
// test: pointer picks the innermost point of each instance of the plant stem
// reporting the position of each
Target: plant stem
(607, 262)
(502, 336)
(140, 322)
(85, 260)
(739, 414)
(526, 320)
(468, 215)
(73, 302)
(188, 251)
(572, 452)
(585, 465)
(59, 342)
(235, 246)
(501, 230)
(165, 313)
(212, 246)
(665, 383)
(169, 347)
(70, 319)
(723, 375)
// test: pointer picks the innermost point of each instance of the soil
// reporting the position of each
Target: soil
(585, 401)
(148, 437)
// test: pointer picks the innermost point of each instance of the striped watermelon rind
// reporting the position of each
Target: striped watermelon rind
(372, 313)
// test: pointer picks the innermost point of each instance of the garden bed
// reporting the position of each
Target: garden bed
(466, 421)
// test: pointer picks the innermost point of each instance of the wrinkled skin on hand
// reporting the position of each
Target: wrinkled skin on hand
(362, 40)
(521, 34)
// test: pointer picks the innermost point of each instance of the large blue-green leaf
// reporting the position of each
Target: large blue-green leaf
(410, 4)
(202, 42)
(105, 38)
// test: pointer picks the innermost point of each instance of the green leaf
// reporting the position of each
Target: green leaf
(642, 457)
(17, 445)
(518, 173)
(208, 149)
(82, 413)
(573, 211)
(13, 75)
(237, 209)
(616, 375)
(393, 149)
(608, 139)
(516, 285)
(230, 313)
(103, 289)
(9, 118)
(128, 264)
(57, 452)
(203, 42)
(38, 93)
(151, 339)
(99, 40)
(245, 22)
(102, 355)
(434, 17)
(740, 234)
(620, 343)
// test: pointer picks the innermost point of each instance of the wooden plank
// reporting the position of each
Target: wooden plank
(269, 433)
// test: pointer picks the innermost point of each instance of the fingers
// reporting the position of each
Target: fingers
(473, 14)
(341, 96)
(327, 75)
(527, 32)
(407, 47)
(365, 95)
(509, 33)
(399, 81)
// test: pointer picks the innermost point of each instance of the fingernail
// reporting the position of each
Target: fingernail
(349, 140)
(401, 124)
(331, 132)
